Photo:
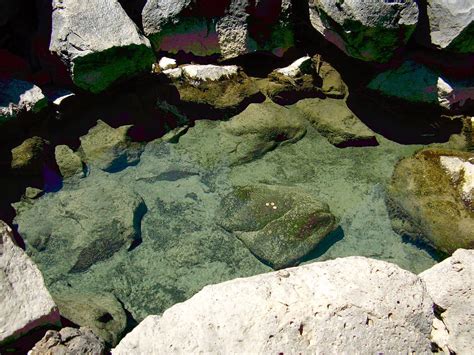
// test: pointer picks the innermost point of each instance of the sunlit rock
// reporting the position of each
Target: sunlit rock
(18, 96)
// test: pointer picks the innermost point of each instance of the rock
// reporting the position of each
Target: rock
(333, 85)
(90, 229)
(24, 301)
(229, 28)
(277, 225)
(69, 341)
(431, 197)
(167, 63)
(30, 156)
(109, 149)
(115, 50)
(18, 96)
(297, 68)
(414, 82)
(370, 31)
(350, 305)
(451, 25)
(33, 193)
(450, 284)
(333, 119)
(99, 311)
(211, 89)
(69, 163)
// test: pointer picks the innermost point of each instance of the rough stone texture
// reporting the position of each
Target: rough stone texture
(69, 341)
(109, 149)
(24, 301)
(29, 157)
(280, 226)
(428, 200)
(450, 284)
(415, 82)
(296, 68)
(451, 25)
(370, 31)
(333, 119)
(69, 163)
(229, 28)
(99, 311)
(91, 229)
(350, 305)
(97, 58)
(19, 96)
(333, 85)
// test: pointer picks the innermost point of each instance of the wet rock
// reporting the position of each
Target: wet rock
(69, 341)
(333, 119)
(451, 25)
(450, 284)
(278, 225)
(99, 311)
(229, 28)
(431, 197)
(24, 301)
(69, 163)
(30, 156)
(349, 305)
(113, 51)
(18, 96)
(88, 228)
(333, 85)
(418, 83)
(370, 31)
(108, 148)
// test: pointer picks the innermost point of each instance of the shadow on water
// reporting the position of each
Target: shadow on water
(331, 239)
(422, 245)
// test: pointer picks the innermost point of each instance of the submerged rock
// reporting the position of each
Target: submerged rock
(350, 305)
(24, 301)
(370, 31)
(69, 341)
(91, 229)
(29, 157)
(113, 50)
(108, 148)
(450, 284)
(229, 28)
(451, 25)
(333, 85)
(431, 196)
(278, 225)
(19, 96)
(69, 163)
(333, 119)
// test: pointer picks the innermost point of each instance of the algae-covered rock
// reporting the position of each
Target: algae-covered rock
(278, 225)
(69, 163)
(88, 228)
(19, 96)
(98, 42)
(370, 30)
(333, 119)
(30, 156)
(99, 311)
(333, 85)
(108, 148)
(431, 196)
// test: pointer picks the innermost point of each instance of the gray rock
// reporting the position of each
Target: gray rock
(451, 25)
(30, 156)
(230, 28)
(90, 229)
(113, 51)
(109, 149)
(370, 31)
(69, 341)
(333, 119)
(279, 225)
(69, 163)
(350, 305)
(24, 301)
(450, 284)
(19, 96)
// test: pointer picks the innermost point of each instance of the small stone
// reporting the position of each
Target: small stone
(167, 63)
(69, 163)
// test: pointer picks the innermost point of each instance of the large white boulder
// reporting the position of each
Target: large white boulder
(366, 30)
(24, 301)
(451, 24)
(450, 284)
(99, 42)
(350, 305)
